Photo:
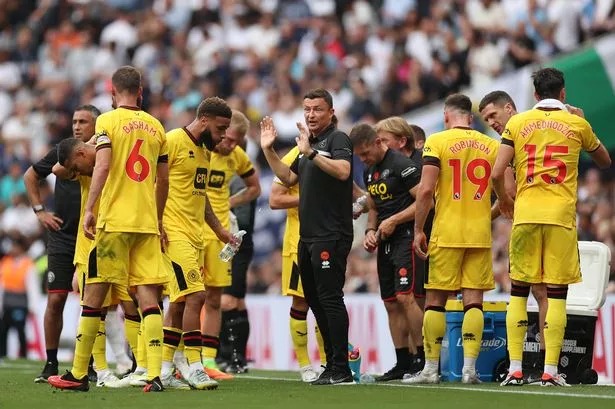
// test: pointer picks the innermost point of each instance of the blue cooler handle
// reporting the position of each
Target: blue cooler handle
(489, 329)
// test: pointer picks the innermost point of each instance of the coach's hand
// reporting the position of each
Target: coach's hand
(49, 220)
(89, 225)
(386, 228)
(370, 242)
(303, 140)
(420, 244)
(507, 206)
(268, 133)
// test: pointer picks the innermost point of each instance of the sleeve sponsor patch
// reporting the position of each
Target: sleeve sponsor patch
(408, 171)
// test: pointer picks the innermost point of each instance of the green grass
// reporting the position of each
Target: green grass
(274, 389)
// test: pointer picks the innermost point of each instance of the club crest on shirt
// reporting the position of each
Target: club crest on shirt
(322, 143)
(385, 174)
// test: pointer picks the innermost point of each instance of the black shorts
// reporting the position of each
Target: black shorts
(239, 271)
(60, 270)
(400, 270)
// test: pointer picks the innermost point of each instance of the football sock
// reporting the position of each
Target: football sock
(172, 337)
(555, 325)
(86, 335)
(472, 330)
(516, 324)
(153, 334)
(299, 335)
(99, 350)
(434, 328)
(193, 345)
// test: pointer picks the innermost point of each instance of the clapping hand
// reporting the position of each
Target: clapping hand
(268, 133)
(303, 140)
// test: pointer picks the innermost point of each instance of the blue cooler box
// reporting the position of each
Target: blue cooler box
(493, 346)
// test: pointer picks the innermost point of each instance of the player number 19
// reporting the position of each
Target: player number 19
(479, 179)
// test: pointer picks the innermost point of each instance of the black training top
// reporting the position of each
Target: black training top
(67, 203)
(388, 183)
(325, 203)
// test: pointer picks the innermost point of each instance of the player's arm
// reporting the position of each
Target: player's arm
(32, 179)
(424, 202)
(162, 187)
(280, 169)
(506, 152)
(511, 189)
(601, 157)
(370, 242)
(61, 172)
(250, 192)
(280, 197)
(214, 223)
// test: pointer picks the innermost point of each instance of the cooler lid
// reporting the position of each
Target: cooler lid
(595, 268)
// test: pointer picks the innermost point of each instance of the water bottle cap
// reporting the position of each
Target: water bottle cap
(240, 233)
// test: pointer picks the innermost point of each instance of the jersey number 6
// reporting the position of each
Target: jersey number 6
(137, 166)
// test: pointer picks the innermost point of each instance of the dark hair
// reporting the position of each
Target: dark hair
(320, 93)
(496, 98)
(127, 78)
(419, 133)
(548, 83)
(361, 134)
(459, 102)
(90, 108)
(214, 106)
(66, 148)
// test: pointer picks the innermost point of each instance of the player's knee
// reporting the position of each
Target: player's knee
(56, 302)
(196, 300)
(299, 303)
(213, 301)
(406, 299)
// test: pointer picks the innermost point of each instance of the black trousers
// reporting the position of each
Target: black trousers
(13, 317)
(322, 266)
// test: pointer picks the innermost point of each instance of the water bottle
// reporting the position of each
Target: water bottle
(229, 249)
(359, 205)
(367, 378)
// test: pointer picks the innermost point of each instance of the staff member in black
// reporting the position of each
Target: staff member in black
(323, 171)
(392, 180)
(62, 233)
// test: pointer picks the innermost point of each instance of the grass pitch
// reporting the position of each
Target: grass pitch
(274, 389)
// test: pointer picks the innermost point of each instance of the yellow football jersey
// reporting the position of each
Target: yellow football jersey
(83, 244)
(291, 232)
(138, 143)
(547, 147)
(463, 191)
(188, 168)
(221, 170)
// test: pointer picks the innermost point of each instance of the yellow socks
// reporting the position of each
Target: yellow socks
(472, 330)
(172, 337)
(99, 351)
(516, 325)
(153, 335)
(210, 347)
(86, 335)
(299, 335)
(132, 325)
(555, 325)
(434, 328)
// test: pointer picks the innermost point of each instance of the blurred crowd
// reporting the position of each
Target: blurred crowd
(378, 58)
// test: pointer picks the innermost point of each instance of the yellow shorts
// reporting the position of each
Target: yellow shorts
(122, 257)
(291, 280)
(544, 253)
(187, 270)
(217, 272)
(115, 294)
(453, 268)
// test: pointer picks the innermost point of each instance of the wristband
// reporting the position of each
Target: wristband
(38, 208)
(370, 229)
(313, 154)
